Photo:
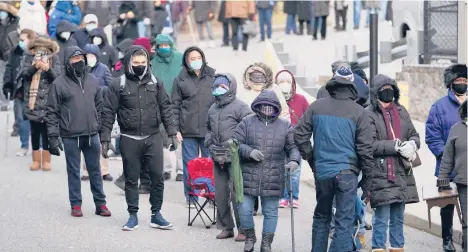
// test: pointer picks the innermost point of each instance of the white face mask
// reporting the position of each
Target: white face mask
(286, 89)
(65, 35)
(97, 40)
(92, 61)
(90, 27)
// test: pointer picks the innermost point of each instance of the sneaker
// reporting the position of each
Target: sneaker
(283, 203)
(76, 211)
(103, 211)
(167, 175)
(131, 224)
(120, 182)
(14, 133)
(295, 203)
(158, 221)
(84, 178)
(179, 177)
(107, 177)
(22, 152)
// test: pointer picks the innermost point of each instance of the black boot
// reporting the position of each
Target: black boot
(120, 182)
(267, 239)
(301, 28)
(250, 239)
(446, 214)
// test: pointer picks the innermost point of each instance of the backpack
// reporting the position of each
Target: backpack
(123, 81)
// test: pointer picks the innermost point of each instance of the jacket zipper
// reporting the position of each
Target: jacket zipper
(218, 136)
(263, 164)
(139, 104)
(86, 112)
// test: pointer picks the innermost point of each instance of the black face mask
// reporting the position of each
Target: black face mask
(139, 70)
(79, 67)
(386, 95)
(459, 89)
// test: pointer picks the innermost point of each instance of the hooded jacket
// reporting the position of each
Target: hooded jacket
(141, 105)
(363, 94)
(443, 115)
(82, 37)
(297, 104)
(191, 97)
(46, 78)
(127, 28)
(64, 10)
(65, 26)
(109, 56)
(121, 48)
(273, 137)
(225, 114)
(341, 133)
(455, 152)
(100, 71)
(33, 17)
(10, 24)
(249, 96)
(403, 189)
(167, 68)
(75, 102)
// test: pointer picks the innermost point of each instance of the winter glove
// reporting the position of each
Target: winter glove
(104, 149)
(256, 155)
(55, 146)
(173, 143)
(291, 166)
(408, 149)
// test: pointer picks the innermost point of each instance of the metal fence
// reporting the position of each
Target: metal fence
(440, 31)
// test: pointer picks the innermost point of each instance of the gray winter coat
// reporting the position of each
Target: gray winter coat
(304, 12)
(272, 136)
(320, 8)
(290, 7)
(224, 115)
(107, 12)
(455, 157)
(202, 9)
(403, 189)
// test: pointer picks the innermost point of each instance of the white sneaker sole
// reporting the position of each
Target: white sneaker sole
(153, 225)
(125, 228)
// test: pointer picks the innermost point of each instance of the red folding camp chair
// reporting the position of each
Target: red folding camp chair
(201, 184)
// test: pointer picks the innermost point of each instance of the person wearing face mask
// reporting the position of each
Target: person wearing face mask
(121, 48)
(40, 67)
(63, 10)
(74, 113)
(14, 89)
(266, 151)
(223, 117)
(109, 55)
(191, 100)
(8, 24)
(33, 16)
(64, 39)
(442, 116)
(297, 104)
(166, 65)
(141, 105)
(83, 36)
(127, 23)
(392, 185)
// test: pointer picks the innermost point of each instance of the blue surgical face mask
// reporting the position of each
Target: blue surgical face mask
(3, 14)
(22, 45)
(164, 52)
(196, 65)
(219, 91)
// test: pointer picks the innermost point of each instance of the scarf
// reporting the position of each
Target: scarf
(392, 121)
(33, 89)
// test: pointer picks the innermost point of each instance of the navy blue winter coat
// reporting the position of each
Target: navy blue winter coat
(100, 71)
(442, 116)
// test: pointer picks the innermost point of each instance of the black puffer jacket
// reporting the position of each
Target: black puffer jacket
(272, 136)
(9, 25)
(109, 56)
(403, 189)
(225, 114)
(75, 102)
(191, 97)
(65, 26)
(12, 69)
(46, 79)
(140, 106)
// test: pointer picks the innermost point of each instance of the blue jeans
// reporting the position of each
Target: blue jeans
(191, 147)
(383, 214)
(291, 24)
(357, 8)
(295, 180)
(91, 149)
(342, 187)
(264, 16)
(23, 124)
(141, 29)
(269, 211)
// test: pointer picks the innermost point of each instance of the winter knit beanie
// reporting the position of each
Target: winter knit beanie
(345, 72)
(221, 80)
(145, 42)
(284, 77)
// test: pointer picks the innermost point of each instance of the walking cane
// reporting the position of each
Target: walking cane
(7, 126)
(289, 184)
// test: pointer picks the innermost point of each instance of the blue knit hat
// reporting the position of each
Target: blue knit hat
(345, 72)
(221, 80)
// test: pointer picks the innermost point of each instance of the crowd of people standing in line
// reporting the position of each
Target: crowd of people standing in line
(70, 89)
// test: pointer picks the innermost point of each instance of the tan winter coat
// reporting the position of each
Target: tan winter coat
(239, 9)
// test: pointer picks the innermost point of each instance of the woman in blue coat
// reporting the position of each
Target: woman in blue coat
(98, 69)
(64, 10)
(442, 116)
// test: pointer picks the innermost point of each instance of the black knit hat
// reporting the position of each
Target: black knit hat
(358, 70)
(454, 72)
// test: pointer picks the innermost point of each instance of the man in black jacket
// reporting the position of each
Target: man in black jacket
(74, 114)
(141, 104)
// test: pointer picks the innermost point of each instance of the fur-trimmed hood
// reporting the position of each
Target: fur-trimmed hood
(9, 8)
(381, 80)
(43, 44)
(454, 72)
(261, 67)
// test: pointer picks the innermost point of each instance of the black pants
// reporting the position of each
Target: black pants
(38, 133)
(137, 154)
(235, 24)
(341, 14)
(226, 33)
(323, 29)
(446, 217)
(462, 192)
(224, 196)
(301, 27)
